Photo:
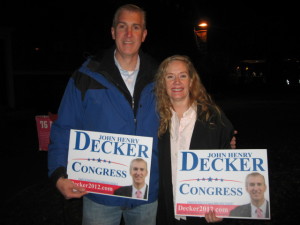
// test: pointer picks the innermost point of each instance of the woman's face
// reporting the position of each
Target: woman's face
(178, 81)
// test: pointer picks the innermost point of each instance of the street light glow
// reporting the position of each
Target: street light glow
(200, 31)
(202, 24)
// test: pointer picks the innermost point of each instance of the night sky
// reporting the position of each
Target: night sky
(55, 37)
(65, 32)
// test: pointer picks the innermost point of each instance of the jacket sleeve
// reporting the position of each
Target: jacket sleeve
(227, 132)
(69, 114)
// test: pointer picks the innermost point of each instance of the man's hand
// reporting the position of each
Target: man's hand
(68, 189)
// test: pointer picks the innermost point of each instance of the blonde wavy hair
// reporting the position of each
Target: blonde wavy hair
(198, 94)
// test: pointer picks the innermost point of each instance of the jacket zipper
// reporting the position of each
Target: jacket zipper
(132, 105)
(118, 86)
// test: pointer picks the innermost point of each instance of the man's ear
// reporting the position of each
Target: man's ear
(145, 32)
(113, 34)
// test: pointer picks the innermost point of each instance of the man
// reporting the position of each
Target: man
(259, 206)
(112, 93)
(139, 188)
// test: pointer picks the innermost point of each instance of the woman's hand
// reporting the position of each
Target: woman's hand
(210, 217)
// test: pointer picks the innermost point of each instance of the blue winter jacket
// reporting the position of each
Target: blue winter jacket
(96, 99)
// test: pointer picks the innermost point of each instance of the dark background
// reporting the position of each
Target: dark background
(50, 39)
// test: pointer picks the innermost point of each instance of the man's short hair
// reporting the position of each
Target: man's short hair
(138, 160)
(130, 8)
(255, 174)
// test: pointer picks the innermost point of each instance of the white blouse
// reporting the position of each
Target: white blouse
(180, 139)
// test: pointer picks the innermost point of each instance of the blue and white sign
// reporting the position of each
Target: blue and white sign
(101, 162)
(230, 182)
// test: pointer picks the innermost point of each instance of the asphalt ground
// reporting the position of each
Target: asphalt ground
(264, 118)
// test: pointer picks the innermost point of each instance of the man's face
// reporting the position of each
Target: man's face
(129, 33)
(138, 172)
(256, 187)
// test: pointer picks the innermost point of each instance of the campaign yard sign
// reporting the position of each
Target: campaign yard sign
(100, 162)
(216, 180)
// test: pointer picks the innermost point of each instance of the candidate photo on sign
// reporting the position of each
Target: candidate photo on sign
(139, 188)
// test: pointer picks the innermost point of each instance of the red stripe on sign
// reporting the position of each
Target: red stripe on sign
(202, 209)
(96, 187)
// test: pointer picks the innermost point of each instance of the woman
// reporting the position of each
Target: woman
(189, 119)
